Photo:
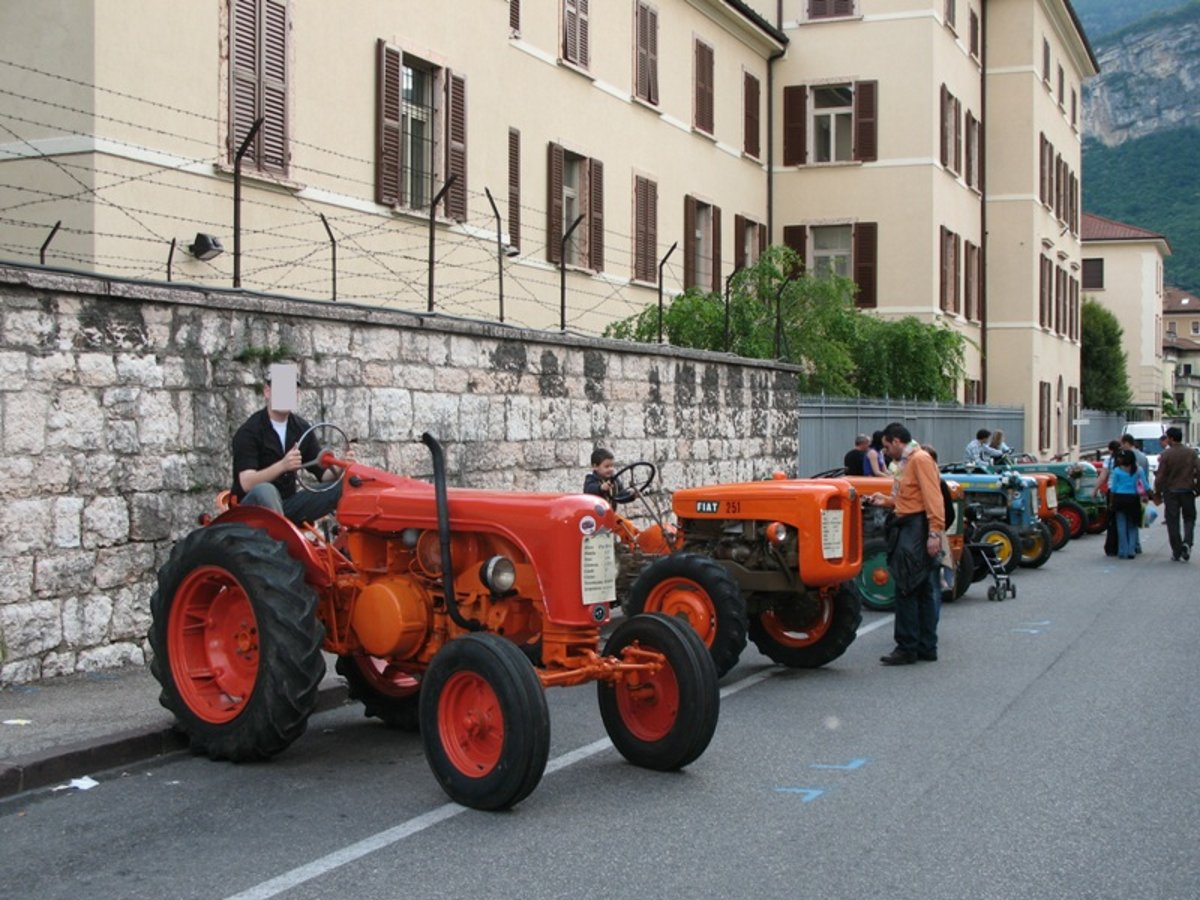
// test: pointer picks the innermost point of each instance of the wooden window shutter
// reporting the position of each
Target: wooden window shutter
(795, 125)
(762, 239)
(819, 9)
(739, 241)
(514, 188)
(957, 274)
(1042, 167)
(584, 39)
(958, 141)
(575, 32)
(703, 119)
(243, 52)
(974, 34)
(795, 237)
(514, 15)
(970, 169)
(554, 204)
(945, 131)
(716, 249)
(689, 242)
(652, 52)
(596, 215)
(645, 228)
(647, 53)
(388, 184)
(456, 145)
(273, 136)
(843, 7)
(866, 253)
(865, 106)
(751, 118)
(942, 268)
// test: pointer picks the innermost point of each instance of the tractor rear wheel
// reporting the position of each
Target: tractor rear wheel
(1060, 531)
(665, 720)
(964, 577)
(699, 591)
(237, 643)
(1035, 546)
(484, 722)
(873, 584)
(807, 630)
(1004, 538)
(387, 693)
(1076, 515)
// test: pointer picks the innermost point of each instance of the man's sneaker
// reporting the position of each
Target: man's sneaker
(1185, 552)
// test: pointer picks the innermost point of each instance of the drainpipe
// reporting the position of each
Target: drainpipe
(983, 232)
(771, 141)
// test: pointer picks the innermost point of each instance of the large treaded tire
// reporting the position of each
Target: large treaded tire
(812, 643)
(237, 643)
(1006, 541)
(1076, 515)
(696, 589)
(668, 719)
(1036, 547)
(390, 696)
(484, 722)
(1097, 523)
(964, 577)
(1059, 527)
(873, 585)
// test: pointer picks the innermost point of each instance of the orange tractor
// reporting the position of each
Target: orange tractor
(768, 560)
(451, 610)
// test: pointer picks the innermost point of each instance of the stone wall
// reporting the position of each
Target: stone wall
(118, 401)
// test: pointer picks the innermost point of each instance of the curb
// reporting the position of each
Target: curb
(39, 770)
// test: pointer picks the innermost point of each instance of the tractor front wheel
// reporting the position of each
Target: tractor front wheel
(1076, 515)
(1097, 522)
(484, 722)
(237, 643)
(665, 719)
(1060, 531)
(387, 693)
(806, 630)
(1035, 546)
(873, 584)
(700, 592)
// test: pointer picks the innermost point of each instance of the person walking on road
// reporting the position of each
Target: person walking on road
(1127, 487)
(914, 540)
(1175, 487)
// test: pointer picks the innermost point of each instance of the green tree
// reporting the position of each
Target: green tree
(1104, 379)
(775, 312)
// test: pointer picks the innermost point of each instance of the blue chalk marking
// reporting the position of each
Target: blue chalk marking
(853, 764)
(808, 795)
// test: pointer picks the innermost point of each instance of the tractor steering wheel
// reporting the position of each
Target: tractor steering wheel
(310, 482)
(643, 470)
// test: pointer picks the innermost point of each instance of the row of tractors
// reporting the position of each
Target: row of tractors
(450, 611)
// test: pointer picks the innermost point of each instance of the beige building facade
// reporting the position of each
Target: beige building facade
(1181, 358)
(681, 135)
(1123, 271)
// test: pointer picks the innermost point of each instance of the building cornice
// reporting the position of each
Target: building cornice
(744, 23)
(1070, 31)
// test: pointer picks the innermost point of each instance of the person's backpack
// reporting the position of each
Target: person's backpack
(948, 504)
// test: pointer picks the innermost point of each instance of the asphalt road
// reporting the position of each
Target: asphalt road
(1050, 753)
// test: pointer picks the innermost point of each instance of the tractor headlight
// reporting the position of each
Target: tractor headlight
(498, 574)
(777, 533)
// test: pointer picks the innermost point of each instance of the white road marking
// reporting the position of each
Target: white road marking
(348, 854)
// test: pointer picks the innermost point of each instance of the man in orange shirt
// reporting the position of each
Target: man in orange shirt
(914, 536)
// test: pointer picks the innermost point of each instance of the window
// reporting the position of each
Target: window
(1171, 329)
(973, 45)
(646, 57)
(750, 129)
(833, 121)
(974, 131)
(576, 188)
(258, 54)
(843, 125)
(750, 239)
(514, 188)
(645, 229)
(1093, 274)
(702, 245)
(951, 131)
(972, 391)
(951, 268)
(1046, 61)
(829, 9)
(846, 250)
(1045, 290)
(1195, 327)
(951, 12)
(702, 117)
(1044, 412)
(1061, 88)
(1073, 413)
(514, 16)
(575, 49)
(421, 132)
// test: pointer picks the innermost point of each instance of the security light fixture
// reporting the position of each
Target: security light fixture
(206, 246)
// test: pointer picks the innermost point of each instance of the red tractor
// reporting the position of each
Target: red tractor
(449, 610)
(768, 560)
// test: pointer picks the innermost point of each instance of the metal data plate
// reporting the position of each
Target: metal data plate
(598, 569)
(1052, 497)
(831, 533)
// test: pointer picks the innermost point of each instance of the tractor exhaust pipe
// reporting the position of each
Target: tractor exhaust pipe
(443, 514)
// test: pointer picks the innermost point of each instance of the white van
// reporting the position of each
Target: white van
(1146, 438)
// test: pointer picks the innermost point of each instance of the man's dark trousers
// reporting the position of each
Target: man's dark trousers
(915, 628)
(1176, 503)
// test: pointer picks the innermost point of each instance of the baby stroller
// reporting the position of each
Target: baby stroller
(985, 558)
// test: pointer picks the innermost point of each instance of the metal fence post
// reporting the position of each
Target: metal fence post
(333, 252)
(237, 200)
(432, 231)
(562, 275)
(662, 262)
